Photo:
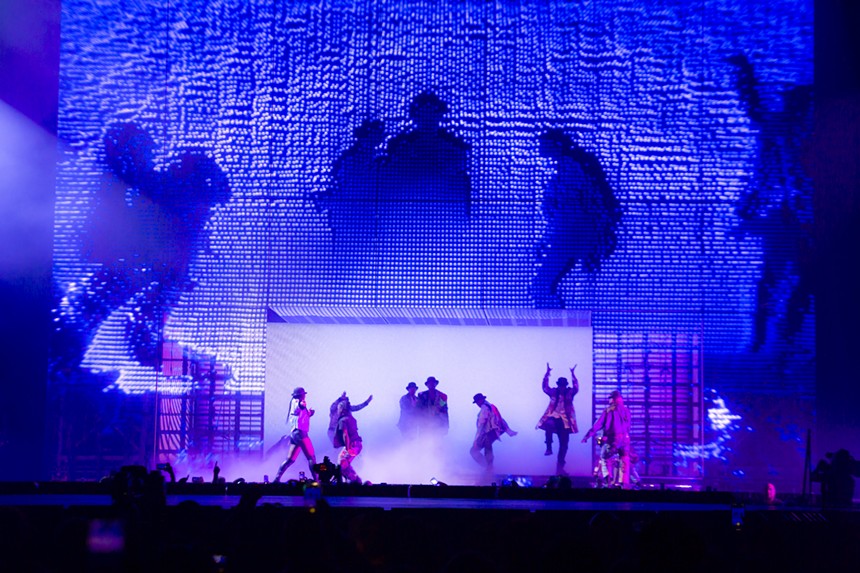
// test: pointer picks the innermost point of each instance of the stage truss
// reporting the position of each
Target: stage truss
(660, 376)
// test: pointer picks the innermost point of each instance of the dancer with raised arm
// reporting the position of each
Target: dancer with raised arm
(559, 418)
(333, 413)
(346, 436)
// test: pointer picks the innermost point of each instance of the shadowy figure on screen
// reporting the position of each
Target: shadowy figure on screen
(299, 421)
(146, 228)
(777, 206)
(334, 414)
(581, 214)
(490, 427)
(353, 197)
(615, 423)
(424, 210)
(559, 418)
(427, 173)
(193, 185)
(433, 409)
(409, 413)
(346, 437)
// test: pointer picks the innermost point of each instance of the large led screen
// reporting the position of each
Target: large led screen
(640, 160)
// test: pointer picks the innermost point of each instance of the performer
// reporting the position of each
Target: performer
(346, 436)
(433, 408)
(559, 417)
(614, 422)
(605, 471)
(490, 427)
(333, 417)
(299, 421)
(409, 412)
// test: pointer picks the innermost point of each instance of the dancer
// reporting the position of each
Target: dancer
(433, 407)
(346, 436)
(490, 427)
(408, 423)
(614, 422)
(299, 421)
(333, 416)
(559, 417)
(606, 469)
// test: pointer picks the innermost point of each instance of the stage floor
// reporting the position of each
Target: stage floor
(403, 496)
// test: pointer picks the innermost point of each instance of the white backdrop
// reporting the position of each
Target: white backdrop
(506, 363)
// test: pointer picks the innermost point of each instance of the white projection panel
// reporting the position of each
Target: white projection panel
(506, 363)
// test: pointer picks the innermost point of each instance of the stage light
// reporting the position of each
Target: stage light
(434, 481)
(517, 481)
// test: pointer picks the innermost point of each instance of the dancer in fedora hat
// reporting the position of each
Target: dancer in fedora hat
(559, 418)
(408, 422)
(490, 427)
(433, 409)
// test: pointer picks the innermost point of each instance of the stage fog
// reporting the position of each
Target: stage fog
(506, 363)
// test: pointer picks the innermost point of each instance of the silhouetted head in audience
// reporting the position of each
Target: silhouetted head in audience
(770, 494)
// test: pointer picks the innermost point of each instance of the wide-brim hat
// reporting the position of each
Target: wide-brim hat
(562, 381)
(411, 385)
(298, 392)
(477, 397)
(431, 381)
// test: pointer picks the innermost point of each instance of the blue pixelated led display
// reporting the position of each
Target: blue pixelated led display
(641, 160)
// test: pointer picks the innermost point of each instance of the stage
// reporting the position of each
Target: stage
(548, 497)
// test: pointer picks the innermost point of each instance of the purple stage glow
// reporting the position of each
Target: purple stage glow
(506, 363)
